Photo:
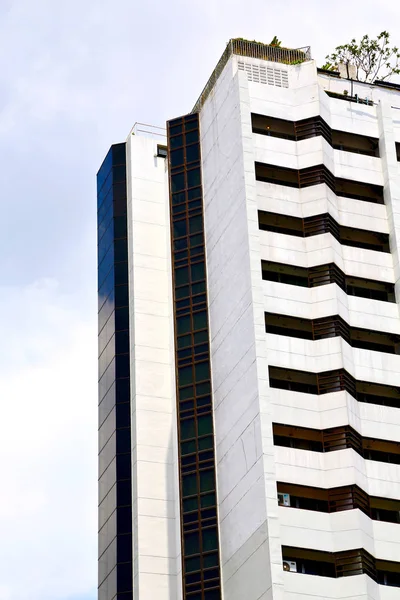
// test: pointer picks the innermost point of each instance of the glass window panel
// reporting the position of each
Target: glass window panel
(174, 129)
(185, 375)
(192, 543)
(181, 255)
(201, 349)
(105, 169)
(122, 415)
(119, 173)
(199, 298)
(194, 193)
(178, 182)
(121, 295)
(210, 560)
(118, 154)
(188, 429)
(184, 340)
(176, 157)
(190, 504)
(178, 198)
(192, 153)
(191, 123)
(176, 142)
(186, 353)
(197, 271)
(124, 493)
(193, 178)
(124, 466)
(182, 292)
(121, 272)
(211, 574)
(198, 251)
(197, 288)
(186, 405)
(107, 288)
(120, 227)
(206, 400)
(105, 265)
(189, 485)
(104, 216)
(181, 276)
(106, 240)
(194, 204)
(203, 388)
(124, 548)
(183, 324)
(120, 249)
(195, 225)
(121, 318)
(209, 537)
(178, 210)
(207, 480)
(205, 425)
(200, 320)
(122, 342)
(187, 392)
(202, 371)
(122, 366)
(124, 577)
(105, 311)
(183, 303)
(198, 239)
(124, 520)
(192, 579)
(180, 228)
(123, 390)
(180, 244)
(188, 447)
(119, 197)
(207, 500)
(192, 137)
(106, 187)
(212, 595)
(192, 564)
(123, 440)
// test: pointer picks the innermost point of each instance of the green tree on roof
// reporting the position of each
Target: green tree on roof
(374, 59)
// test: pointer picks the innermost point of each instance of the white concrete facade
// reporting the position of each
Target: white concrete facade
(252, 526)
(155, 494)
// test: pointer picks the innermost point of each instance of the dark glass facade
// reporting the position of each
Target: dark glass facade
(115, 485)
(199, 526)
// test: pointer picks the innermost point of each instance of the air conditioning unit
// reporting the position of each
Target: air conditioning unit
(290, 566)
(283, 499)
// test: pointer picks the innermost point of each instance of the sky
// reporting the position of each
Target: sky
(74, 77)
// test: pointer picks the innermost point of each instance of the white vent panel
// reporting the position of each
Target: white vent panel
(265, 75)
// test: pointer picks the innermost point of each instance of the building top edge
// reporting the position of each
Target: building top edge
(253, 49)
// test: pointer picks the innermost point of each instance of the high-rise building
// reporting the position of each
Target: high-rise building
(249, 341)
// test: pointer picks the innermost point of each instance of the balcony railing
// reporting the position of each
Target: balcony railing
(241, 47)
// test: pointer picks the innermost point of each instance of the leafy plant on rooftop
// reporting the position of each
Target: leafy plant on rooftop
(275, 42)
(373, 58)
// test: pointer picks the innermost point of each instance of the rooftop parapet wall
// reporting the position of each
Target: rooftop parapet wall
(257, 50)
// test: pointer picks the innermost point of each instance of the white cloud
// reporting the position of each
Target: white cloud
(48, 518)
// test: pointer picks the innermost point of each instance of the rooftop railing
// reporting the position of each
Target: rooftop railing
(146, 130)
(241, 47)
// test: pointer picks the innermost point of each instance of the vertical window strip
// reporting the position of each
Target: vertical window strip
(198, 494)
(115, 486)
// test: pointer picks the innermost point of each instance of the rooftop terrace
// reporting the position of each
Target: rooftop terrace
(258, 50)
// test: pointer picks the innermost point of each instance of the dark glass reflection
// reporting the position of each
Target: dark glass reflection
(114, 367)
